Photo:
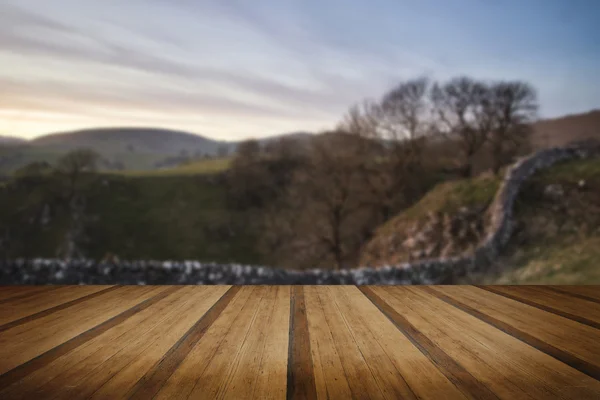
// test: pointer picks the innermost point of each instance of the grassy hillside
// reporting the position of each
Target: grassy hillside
(134, 149)
(200, 167)
(558, 233)
(131, 148)
(153, 217)
(447, 221)
(561, 131)
(14, 157)
(132, 140)
(557, 239)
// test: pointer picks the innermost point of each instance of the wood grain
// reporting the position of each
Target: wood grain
(300, 342)
(300, 373)
(11, 294)
(573, 343)
(155, 378)
(33, 308)
(468, 384)
(590, 293)
(583, 311)
(36, 346)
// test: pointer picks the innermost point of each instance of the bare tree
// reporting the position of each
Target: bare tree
(396, 127)
(320, 219)
(247, 151)
(463, 108)
(362, 119)
(406, 110)
(514, 108)
(74, 164)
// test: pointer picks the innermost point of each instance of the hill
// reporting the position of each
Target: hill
(10, 140)
(557, 227)
(141, 217)
(120, 148)
(139, 149)
(132, 140)
(570, 128)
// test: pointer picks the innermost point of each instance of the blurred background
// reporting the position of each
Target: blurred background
(298, 134)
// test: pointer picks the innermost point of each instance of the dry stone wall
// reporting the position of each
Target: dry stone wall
(434, 271)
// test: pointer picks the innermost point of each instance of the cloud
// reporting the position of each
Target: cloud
(242, 65)
(329, 96)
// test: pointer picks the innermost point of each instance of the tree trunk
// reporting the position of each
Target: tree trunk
(337, 239)
(497, 157)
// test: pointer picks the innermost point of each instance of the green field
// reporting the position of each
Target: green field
(145, 217)
(201, 167)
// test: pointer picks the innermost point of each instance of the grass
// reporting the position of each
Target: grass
(570, 255)
(571, 171)
(557, 241)
(137, 163)
(201, 167)
(447, 197)
(148, 217)
(14, 157)
(166, 217)
(575, 262)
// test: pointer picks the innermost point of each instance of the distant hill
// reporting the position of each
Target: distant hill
(563, 130)
(11, 140)
(133, 140)
(299, 136)
(139, 149)
(150, 148)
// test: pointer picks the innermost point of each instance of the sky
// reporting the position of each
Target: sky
(233, 69)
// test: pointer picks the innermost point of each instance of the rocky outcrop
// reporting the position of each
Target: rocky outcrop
(437, 235)
(428, 271)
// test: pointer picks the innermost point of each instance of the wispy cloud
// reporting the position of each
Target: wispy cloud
(238, 68)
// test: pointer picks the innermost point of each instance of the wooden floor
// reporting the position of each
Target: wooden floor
(302, 342)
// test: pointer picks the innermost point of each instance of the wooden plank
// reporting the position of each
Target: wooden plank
(251, 377)
(583, 311)
(193, 304)
(16, 315)
(468, 384)
(330, 377)
(399, 368)
(219, 373)
(27, 292)
(40, 301)
(359, 377)
(299, 342)
(65, 374)
(585, 292)
(6, 292)
(209, 363)
(574, 344)
(31, 346)
(272, 380)
(159, 342)
(148, 385)
(300, 373)
(507, 366)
